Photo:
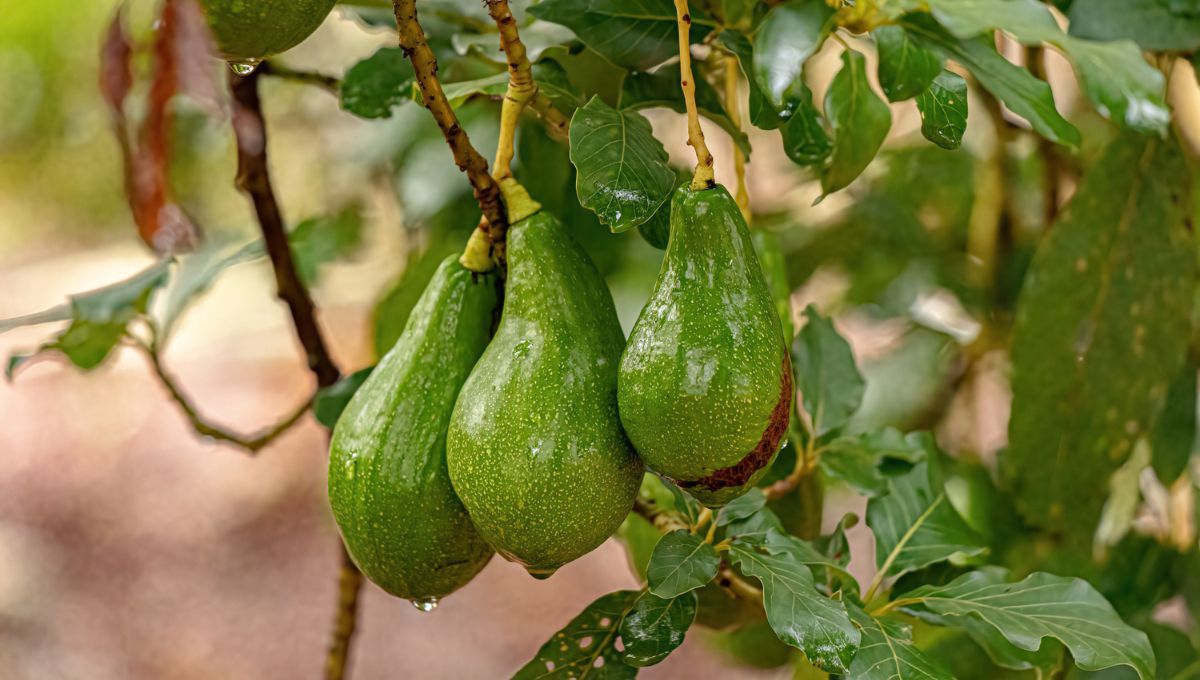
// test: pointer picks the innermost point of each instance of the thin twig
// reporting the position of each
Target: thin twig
(277, 70)
(703, 179)
(557, 123)
(254, 178)
(806, 463)
(468, 159)
(728, 578)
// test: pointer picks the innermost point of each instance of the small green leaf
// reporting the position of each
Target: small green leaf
(1153, 24)
(1044, 606)
(681, 562)
(331, 401)
(320, 240)
(661, 88)
(860, 121)
(377, 84)
(906, 69)
(800, 615)
(636, 34)
(536, 36)
(655, 627)
(790, 34)
(888, 652)
(828, 379)
(461, 92)
(1100, 332)
(915, 525)
(742, 507)
(846, 459)
(943, 107)
(589, 639)
(805, 139)
(623, 175)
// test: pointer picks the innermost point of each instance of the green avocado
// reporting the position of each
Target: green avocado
(705, 383)
(251, 30)
(388, 484)
(535, 446)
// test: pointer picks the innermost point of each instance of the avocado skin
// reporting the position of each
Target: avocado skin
(388, 484)
(256, 29)
(705, 382)
(535, 446)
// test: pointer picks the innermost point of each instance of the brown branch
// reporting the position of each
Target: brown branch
(254, 179)
(468, 159)
(277, 70)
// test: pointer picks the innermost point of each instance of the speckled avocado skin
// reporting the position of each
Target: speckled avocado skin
(388, 485)
(705, 383)
(535, 446)
(256, 29)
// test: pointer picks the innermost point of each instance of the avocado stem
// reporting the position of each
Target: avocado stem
(735, 119)
(703, 177)
(521, 86)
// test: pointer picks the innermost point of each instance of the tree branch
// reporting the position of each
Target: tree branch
(468, 159)
(254, 178)
(276, 70)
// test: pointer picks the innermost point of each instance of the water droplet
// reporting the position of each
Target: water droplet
(244, 67)
(542, 574)
(426, 605)
(350, 467)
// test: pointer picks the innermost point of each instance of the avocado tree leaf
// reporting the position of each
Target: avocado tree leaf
(536, 36)
(655, 627)
(943, 107)
(1174, 435)
(1100, 332)
(635, 34)
(906, 69)
(319, 240)
(1155, 25)
(847, 460)
(661, 88)
(623, 175)
(681, 562)
(798, 613)
(1022, 93)
(914, 523)
(888, 653)
(194, 275)
(1115, 76)
(860, 121)
(742, 507)
(330, 401)
(791, 33)
(377, 84)
(1042, 606)
(461, 92)
(805, 139)
(762, 114)
(589, 639)
(830, 385)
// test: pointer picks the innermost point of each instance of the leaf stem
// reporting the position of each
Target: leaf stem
(703, 177)
(706, 515)
(894, 604)
(891, 558)
(734, 111)
(468, 159)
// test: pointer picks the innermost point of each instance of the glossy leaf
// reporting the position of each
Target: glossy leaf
(799, 614)
(830, 385)
(377, 84)
(860, 121)
(1044, 606)
(791, 33)
(589, 639)
(888, 652)
(742, 507)
(762, 114)
(1100, 331)
(943, 107)
(655, 627)
(915, 525)
(906, 68)
(330, 401)
(681, 562)
(636, 34)
(623, 172)
(805, 139)
(1153, 24)
(661, 88)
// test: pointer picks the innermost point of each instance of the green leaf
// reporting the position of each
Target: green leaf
(805, 139)
(1100, 331)
(377, 84)
(799, 614)
(685, 505)
(790, 34)
(196, 273)
(888, 652)
(1153, 24)
(320, 240)
(536, 36)
(661, 88)
(826, 375)
(589, 639)
(860, 121)
(655, 627)
(1174, 435)
(740, 15)
(906, 69)
(846, 459)
(762, 114)
(915, 525)
(461, 92)
(1023, 94)
(681, 562)
(742, 507)
(623, 172)
(1115, 75)
(636, 34)
(331, 401)
(1044, 606)
(943, 107)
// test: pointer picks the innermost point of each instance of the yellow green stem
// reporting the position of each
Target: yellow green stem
(703, 178)
(735, 118)
(521, 87)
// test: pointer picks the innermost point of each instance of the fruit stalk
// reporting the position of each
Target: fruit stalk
(735, 118)
(521, 87)
(466, 156)
(703, 177)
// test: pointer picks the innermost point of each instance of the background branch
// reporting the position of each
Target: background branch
(275, 69)
(254, 178)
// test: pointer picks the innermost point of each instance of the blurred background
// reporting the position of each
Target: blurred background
(129, 548)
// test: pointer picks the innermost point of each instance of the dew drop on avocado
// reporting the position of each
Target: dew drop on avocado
(426, 605)
(244, 67)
